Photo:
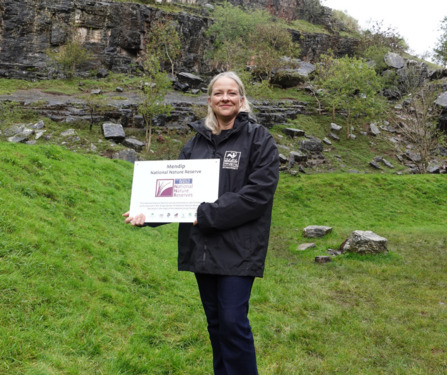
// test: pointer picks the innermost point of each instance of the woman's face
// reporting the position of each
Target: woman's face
(225, 99)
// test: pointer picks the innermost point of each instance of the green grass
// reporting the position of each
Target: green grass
(71, 86)
(355, 154)
(81, 293)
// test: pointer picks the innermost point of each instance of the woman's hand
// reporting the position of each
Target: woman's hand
(138, 220)
(195, 222)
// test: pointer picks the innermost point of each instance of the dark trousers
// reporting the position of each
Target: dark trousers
(225, 301)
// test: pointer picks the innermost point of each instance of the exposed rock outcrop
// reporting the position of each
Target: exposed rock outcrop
(115, 33)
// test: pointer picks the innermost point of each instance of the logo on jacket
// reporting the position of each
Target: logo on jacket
(231, 160)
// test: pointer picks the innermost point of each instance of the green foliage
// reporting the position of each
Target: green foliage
(350, 84)
(96, 105)
(13, 112)
(164, 41)
(440, 52)
(311, 10)
(70, 56)
(83, 293)
(234, 23)
(350, 22)
(377, 41)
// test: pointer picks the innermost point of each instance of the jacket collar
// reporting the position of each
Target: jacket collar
(239, 122)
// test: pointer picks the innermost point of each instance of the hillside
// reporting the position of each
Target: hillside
(81, 293)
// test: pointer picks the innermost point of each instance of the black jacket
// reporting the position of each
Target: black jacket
(232, 234)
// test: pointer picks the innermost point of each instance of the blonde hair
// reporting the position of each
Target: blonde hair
(211, 119)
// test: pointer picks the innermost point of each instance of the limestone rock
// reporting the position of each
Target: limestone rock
(14, 130)
(335, 128)
(282, 159)
(305, 246)
(293, 132)
(119, 89)
(311, 145)
(433, 168)
(334, 136)
(68, 132)
(96, 92)
(39, 125)
(102, 73)
(192, 80)
(134, 144)
(293, 77)
(127, 155)
(442, 100)
(374, 129)
(314, 231)
(323, 259)
(393, 60)
(374, 164)
(365, 242)
(297, 156)
(413, 156)
(327, 141)
(387, 163)
(113, 131)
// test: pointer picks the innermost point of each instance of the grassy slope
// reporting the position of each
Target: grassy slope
(81, 293)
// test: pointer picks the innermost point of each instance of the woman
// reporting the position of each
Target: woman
(226, 246)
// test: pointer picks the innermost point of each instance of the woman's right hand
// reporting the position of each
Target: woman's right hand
(138, 220)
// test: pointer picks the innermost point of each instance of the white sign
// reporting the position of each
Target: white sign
(171, 190)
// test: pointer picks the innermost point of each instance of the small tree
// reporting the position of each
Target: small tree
(440, 52)
(350, 84)
(71, 54)
(164, 41)
(268, 44)
(418, 123)
(96, 105)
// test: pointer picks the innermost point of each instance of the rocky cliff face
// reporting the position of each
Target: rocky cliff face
(116, 34)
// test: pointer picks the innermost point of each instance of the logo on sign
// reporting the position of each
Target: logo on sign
(164, 188)
(231, 160)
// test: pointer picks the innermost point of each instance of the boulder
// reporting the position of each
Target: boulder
(305, 246)
(311, 145)
(102, 73)
(413, 156)
(335, 128)
(134, 144)
(209, 6)
(293, 132)
(282, 159)
(365, 242)
(113, 131)
(95, 92)
(301, 169)
(392, 94)
(39, 125)
(442, 100)
(178, 86)
(334, 136)
(393, 60)
(190, 79)
(374, 129)
(374, 164)
(387, 163)
(293, 77)
(352, 136)
(17, 139)
(314, 231)
(195, 91)
(119, 89)
(442, 150)
(327, 141)
(68, 133)
(14, 130)
(433, 168)
(297, 156)
(126, 155)
(323, 259)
